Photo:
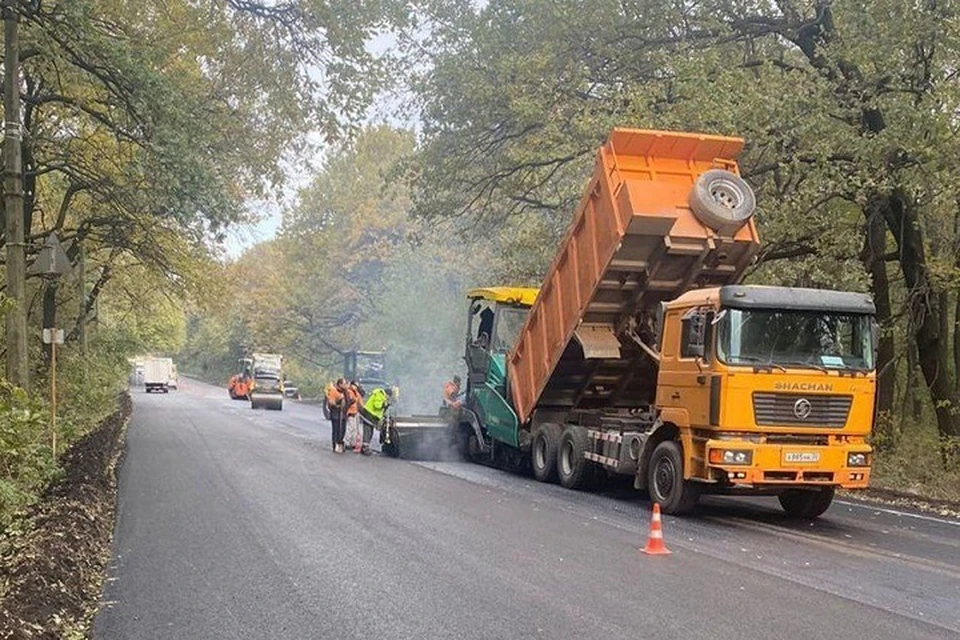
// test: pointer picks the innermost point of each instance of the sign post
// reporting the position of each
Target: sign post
(53, 337)
(52, 263)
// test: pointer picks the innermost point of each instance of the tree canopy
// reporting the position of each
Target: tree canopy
(848, 109)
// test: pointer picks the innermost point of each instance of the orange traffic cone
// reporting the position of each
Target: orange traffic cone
(655, 546)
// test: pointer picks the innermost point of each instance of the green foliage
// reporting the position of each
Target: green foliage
(848, 110)
(87, 391)
(26, 463)
(352, 270)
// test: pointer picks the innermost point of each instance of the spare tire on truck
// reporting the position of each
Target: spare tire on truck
(722, 200)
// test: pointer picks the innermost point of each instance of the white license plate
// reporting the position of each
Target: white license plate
(801, 456)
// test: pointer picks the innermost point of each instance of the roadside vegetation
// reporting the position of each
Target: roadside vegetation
(147, 128)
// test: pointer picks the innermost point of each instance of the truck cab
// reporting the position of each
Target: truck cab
(239, 384)
(769, 388)
(368, 368)
(266, 382)
(494, 321)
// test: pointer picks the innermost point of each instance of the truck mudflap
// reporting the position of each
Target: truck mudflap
(420, 437)
(742, 463)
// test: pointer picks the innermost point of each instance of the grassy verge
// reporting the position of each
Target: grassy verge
(918, 466)
(87, 392)
(54, 557)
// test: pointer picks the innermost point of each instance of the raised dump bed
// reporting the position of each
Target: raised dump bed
(635, 242)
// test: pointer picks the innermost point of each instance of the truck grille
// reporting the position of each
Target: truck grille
(776, 409)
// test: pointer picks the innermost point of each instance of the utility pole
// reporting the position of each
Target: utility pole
(17, 369)
(82, 276)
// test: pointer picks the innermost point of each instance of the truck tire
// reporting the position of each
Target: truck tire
(392, 449)
(806, 503)
(722, 200)
(665, 480)
(544, 452)
(575, 471)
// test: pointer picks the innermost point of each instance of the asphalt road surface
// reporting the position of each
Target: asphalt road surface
(241, 524)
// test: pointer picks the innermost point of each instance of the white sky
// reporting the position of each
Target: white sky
(299, 173)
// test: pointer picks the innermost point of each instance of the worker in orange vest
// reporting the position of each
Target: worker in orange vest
(338, 401)
(451, 393)
(354, 438)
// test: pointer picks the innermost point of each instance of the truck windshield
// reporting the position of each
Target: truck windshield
(509, 323)
(369, 365)
(811, 339)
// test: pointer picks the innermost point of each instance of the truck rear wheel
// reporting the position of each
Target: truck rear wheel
(575, 471)
(544, 452)
(665, 480)
(806, 503)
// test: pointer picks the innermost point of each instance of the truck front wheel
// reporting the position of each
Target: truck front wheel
(805, 503)
(543, 453)
(665, 480)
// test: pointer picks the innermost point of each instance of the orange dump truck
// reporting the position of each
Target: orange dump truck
(641, 354)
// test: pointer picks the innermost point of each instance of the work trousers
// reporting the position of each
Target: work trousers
(352, 431)
(338, 424)
(369, 422)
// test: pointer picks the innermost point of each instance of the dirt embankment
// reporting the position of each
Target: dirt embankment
(53, 562)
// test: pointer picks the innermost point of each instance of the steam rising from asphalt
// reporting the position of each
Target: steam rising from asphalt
(421, 321)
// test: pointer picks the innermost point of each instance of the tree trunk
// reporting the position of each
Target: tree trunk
(956, 342)
(874, 260)
(913, 398)
(956, 308)
(873, 257)
(18, 370)
(925, 307)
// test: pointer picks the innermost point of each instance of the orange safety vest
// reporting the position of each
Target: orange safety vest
(334, 396)
(353, 395)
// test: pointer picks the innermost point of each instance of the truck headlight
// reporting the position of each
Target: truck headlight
(730, 456)
(858, 460)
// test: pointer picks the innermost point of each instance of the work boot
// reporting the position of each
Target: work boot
(365, 450)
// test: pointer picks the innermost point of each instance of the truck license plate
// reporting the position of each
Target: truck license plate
(801, 456)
